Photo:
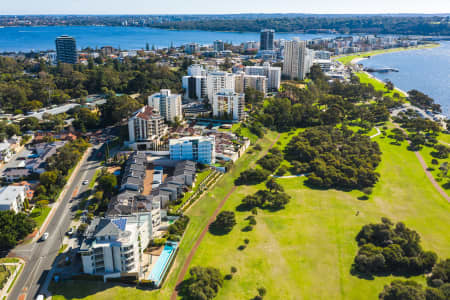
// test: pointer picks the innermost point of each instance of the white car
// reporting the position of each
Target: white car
(40, 297)
(85, 182)
(45, 236)
(70, 232)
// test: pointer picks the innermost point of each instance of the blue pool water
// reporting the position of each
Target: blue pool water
(162, 264)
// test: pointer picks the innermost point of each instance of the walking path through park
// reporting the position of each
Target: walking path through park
(188, 260)
(376, 134)
(428, 173)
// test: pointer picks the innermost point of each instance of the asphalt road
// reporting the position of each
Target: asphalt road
(40, 256)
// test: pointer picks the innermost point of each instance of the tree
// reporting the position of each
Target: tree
(402, 290)
(107, 183)
(440, 273)
(203, 284)
(48, 178)
(252, 176)
(279, 200)
(272, 185)
(13, 228)
(224, 222)
(388, 85)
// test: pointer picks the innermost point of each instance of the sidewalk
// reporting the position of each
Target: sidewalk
(62, 194)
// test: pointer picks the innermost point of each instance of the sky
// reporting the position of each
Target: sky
(220, 6)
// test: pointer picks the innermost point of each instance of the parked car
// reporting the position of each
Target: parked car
(70, 231)
(85, 182)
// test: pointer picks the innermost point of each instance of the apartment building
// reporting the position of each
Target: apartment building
(256, 82)
(217, 81)
(195, 148)
(66, 49)
(267, 39)
(229, 105)
(145, 128)
(273, 75)
(113, 246)
(297, 59)
(167, 104)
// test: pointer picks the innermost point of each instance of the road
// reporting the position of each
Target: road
(40, 256)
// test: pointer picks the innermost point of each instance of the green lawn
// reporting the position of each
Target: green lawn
(39, 215)
(347, 59)
(306, 250)
(199, 214)
(426, 154)
(444, 138)
(378, 85)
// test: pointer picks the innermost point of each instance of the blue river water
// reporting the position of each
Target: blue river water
(43, 38)
(426, 70)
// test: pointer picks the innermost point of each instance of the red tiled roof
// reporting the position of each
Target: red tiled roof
(147, 113)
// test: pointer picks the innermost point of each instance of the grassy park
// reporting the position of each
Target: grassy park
(292, 252)
(347, 59)
(198, 213)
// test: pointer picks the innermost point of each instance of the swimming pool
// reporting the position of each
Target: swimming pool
(163, 262)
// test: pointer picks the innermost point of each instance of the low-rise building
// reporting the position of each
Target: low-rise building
(12, 198)
(5, 151)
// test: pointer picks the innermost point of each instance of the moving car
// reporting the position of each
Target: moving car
(85, 182)
(44, 237)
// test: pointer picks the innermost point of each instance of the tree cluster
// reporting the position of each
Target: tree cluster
(334, 157)
(13, 228)
(252, 176)
(423, 101)
(272, 160)
(203, 284)
(224, 223)
(324, 103)
(388, 249)
(57, 169)
(311, 24)
(411, 290)
(274, 198)
(27, 86)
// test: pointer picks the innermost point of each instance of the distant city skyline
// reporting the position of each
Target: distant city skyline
(23, 7)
